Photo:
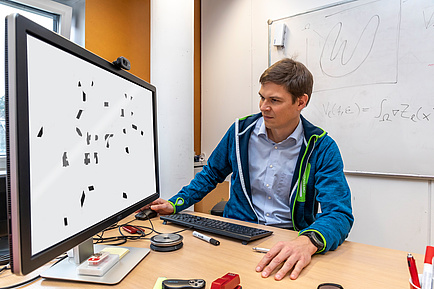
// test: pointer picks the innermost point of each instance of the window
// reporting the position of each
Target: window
(49, 14)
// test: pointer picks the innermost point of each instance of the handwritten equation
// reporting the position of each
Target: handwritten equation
(384, 112)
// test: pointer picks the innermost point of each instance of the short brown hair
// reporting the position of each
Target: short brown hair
(293, 75)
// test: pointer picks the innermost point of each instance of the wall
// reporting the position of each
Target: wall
(124, 28)
(120, 28)
(389, 212)
(197, 79)
(172, 68)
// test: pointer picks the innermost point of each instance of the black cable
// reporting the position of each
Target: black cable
(22, 283)
(6, 267)
(122, 239)
(32, 279)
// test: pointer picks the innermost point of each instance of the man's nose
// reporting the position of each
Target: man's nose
(264, 106)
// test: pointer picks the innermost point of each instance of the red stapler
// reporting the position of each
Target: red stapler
(228, 281)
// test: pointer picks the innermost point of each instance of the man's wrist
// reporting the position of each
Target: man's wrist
(315, 239)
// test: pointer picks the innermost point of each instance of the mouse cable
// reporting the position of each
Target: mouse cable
(157, 232)
(122, 239)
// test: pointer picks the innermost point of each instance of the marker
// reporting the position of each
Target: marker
(413, 270)
(427, 268)
(260, 250)
(206, 238)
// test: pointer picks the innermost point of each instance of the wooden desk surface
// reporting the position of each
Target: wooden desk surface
(352, 265)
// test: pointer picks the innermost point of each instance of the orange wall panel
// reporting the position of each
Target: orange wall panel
(120, 28)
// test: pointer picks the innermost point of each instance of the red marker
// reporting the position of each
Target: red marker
(428, 268)
(413, 270)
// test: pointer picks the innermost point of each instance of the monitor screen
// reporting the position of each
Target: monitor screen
(81, 143)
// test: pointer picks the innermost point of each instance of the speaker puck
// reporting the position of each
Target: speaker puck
(166, 248)
(166, 242)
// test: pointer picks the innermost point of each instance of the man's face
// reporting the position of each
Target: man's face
(277, 108)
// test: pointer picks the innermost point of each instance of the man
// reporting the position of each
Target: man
(286, 172)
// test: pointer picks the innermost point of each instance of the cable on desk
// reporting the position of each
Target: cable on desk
(122, 239)
(31, 279)
(5, 267)
(100, 239)
(22, 283)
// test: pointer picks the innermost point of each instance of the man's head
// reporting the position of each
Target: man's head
(292, 75)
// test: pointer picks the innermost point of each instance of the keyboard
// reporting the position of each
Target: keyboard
(231, 230)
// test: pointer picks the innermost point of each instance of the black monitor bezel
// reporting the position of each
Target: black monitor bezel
(18, 156)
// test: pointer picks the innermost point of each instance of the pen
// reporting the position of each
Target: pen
(260, 250)
(427, 268)
(206, 238)
(413, 270)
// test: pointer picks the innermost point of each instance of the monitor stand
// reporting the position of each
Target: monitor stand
(67, 268)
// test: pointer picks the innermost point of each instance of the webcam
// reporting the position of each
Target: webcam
(122, 62)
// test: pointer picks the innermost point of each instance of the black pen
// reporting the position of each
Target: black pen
(206, 238)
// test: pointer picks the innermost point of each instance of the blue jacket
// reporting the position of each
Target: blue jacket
(318, 181)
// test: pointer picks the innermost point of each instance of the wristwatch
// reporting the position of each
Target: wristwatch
(315, 238)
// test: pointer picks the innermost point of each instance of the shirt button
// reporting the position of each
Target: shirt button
(271, 166)
(275, 148)
(267, 185)
(269, 198)
(268, 214)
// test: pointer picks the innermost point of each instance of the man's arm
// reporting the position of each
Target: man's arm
(332, 224)
(216, 170)
(335, 219)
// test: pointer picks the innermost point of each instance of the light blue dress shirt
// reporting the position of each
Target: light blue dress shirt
(271, 170)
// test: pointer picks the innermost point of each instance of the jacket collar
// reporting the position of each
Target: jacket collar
(311, 130)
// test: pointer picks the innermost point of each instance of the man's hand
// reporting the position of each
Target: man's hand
(295, 254)
(161, 206)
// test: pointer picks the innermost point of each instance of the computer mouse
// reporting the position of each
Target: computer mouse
(146, 214)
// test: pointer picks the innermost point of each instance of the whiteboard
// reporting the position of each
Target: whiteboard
(373, 68)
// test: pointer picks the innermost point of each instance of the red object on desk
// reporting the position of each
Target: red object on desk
(228, 281)
(413, 270)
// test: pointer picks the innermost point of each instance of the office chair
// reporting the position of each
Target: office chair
(218, 208)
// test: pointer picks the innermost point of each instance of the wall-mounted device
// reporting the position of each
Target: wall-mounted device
(279, 35)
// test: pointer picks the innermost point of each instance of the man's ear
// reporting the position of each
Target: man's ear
(302, 101)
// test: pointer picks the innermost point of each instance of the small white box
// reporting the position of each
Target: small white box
(279, 34)
(98, 270)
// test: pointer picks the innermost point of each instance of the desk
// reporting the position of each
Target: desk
(352, 265)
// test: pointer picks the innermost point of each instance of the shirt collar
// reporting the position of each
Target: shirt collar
(296, 134)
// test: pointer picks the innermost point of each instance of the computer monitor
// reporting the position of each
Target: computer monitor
(81, 149)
